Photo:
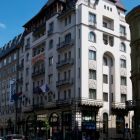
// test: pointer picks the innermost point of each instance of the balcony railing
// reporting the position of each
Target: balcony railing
(68, 81)
(20, 80)
(118, 105)
(123, 35)
(80, 101)
(37, 90)
(20, 67)
(130, 104)
(38, 73)
(65, 62)
(39, 106)
(50, 32)
(27, 46)
(92, 24)
(65, 44)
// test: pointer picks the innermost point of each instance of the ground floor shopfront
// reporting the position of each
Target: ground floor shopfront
(72, 122)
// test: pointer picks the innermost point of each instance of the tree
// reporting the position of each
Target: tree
(47, 126)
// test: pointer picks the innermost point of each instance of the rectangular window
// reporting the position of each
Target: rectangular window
(92, 74)
(108, 23)
(92, 55)
(50, 60)
(92, 18)
(65, 95)
(69, 93)
(123, 63)
(65, 21)
(69, 74)
(68, 38)
(122, 30)
(65, 75)
(123, 81)
(50, 77)
(27, 71)
(51, 26)
(69, 19)
(92, 94)
(123, 98)
(105, 96)
(26, 86)
(105, 78)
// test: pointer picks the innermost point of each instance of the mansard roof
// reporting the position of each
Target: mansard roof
(42, 11)
(11, 45)
(120, 5)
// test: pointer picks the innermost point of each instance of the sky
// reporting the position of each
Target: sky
(15, 13)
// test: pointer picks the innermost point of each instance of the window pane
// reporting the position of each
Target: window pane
(105, 79)
(105, 96)
(123, 63)
(92, 55)
(123, 80)
(123, 98)
(92, 94)
(92, 74)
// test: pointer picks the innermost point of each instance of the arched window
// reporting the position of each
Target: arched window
(120, 124)
(105, 123)
(50, 44)
(92, 37)
(122, 47)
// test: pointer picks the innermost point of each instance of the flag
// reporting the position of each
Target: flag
(16, 96)
(44, 88)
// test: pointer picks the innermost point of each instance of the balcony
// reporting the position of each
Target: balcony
(65, 44)
(38, 107)
(50, 32)
(38, 73)
(92, 24)
(27, 109)
(118, 106)
(68, 81)
(27, 46)
(130, 104)
(66, 102)
(65, 63)
(37, 90)
(90, 102)
(123, 35)
(82, 102)
(20, 80)
(20, 67)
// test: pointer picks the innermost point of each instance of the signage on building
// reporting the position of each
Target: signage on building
(38, 58)
(88, 125)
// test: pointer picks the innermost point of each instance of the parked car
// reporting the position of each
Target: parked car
(14, 137)
(1, 138)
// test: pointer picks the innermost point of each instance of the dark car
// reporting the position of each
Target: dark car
(14, 137)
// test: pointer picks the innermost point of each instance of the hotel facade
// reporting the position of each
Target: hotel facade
(75, 70)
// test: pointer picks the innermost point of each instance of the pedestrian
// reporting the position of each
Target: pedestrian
(127, 133)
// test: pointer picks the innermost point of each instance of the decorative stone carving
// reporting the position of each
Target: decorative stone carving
(123, 72)
(92, 84)
(92, 64)
(123, 89)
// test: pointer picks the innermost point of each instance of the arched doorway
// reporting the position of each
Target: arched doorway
(105, 125)
(54, 126)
